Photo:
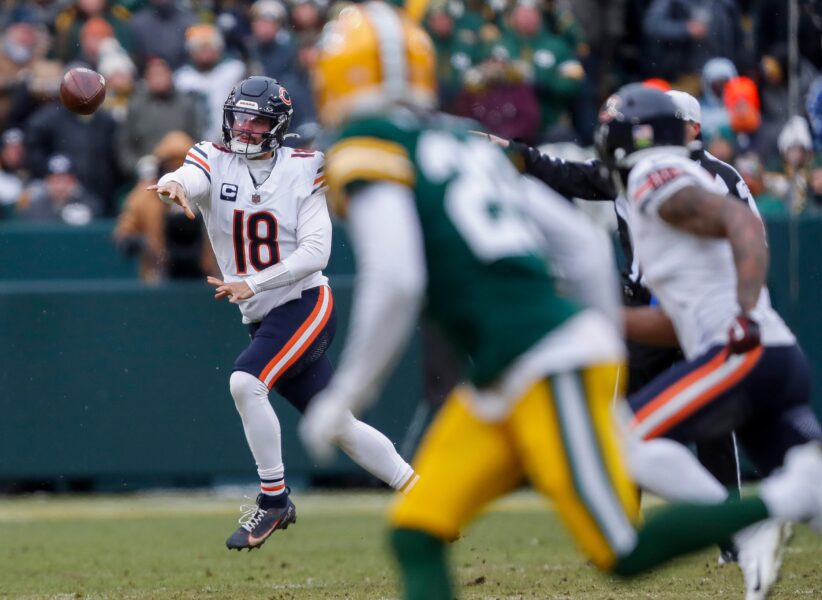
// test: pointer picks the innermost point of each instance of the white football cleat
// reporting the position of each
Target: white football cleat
(760, 555)
(794, 493)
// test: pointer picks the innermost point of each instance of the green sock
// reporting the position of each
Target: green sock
(683, 528)
(421, 559)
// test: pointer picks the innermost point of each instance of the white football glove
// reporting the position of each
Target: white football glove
(322, 425)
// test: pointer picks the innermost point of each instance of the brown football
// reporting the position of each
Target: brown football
(82, 90)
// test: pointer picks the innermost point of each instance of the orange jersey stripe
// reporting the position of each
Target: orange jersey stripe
(199, 160)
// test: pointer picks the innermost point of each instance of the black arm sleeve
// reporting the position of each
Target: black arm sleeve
(571, 179)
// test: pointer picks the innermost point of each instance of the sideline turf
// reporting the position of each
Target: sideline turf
(171, 546)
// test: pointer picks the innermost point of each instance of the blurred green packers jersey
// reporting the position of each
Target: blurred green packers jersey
(489, 287)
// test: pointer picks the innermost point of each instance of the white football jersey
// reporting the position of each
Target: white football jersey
(693, 277)
(254, 226)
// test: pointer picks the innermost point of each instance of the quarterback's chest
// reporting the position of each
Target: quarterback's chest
(237, 193)
(253, 229)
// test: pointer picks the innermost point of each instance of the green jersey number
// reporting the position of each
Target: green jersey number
(480, 196)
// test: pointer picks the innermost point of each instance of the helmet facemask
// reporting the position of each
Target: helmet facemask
(262, 99)
(250, 133)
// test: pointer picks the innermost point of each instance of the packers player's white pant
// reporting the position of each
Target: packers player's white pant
(561, 435)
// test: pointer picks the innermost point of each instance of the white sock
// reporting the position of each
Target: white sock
(376, 454)
(792, 492)
(271, 484)
(669, 470)
(262, 428)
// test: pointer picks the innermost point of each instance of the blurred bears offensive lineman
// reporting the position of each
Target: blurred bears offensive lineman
(440, 219)
(265, 211)
(704, 256)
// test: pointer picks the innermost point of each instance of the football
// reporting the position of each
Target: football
(82, 90)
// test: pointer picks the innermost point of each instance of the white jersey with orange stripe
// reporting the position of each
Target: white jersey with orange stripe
(694, 278)
(262, 216)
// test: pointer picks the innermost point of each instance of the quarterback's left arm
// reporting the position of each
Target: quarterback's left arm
(385, 232)
(312, 253)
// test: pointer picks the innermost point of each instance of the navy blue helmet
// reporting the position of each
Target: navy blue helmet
(636, 118)
(261, 97)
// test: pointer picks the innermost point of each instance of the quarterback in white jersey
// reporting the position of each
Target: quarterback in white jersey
(266, 219)
(705, 258)
(265, 211)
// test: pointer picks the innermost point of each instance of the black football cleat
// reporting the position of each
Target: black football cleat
(728, 555)
(257, 524)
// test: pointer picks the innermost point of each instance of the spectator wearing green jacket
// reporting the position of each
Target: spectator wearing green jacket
(556, 72)
(456, 52)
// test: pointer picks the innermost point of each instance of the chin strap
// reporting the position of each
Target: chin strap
(246, 149)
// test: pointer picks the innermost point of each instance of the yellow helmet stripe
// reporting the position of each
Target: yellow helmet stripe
(391, 41)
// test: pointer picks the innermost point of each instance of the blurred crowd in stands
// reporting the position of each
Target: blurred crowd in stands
(533, 70)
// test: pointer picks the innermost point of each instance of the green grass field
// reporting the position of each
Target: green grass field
(171, 546)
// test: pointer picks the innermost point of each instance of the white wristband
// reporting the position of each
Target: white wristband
(252, 286)
(273, 277)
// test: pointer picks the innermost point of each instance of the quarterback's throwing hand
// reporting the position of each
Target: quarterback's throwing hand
(174, 192)
(236, 291)
(322, 424)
